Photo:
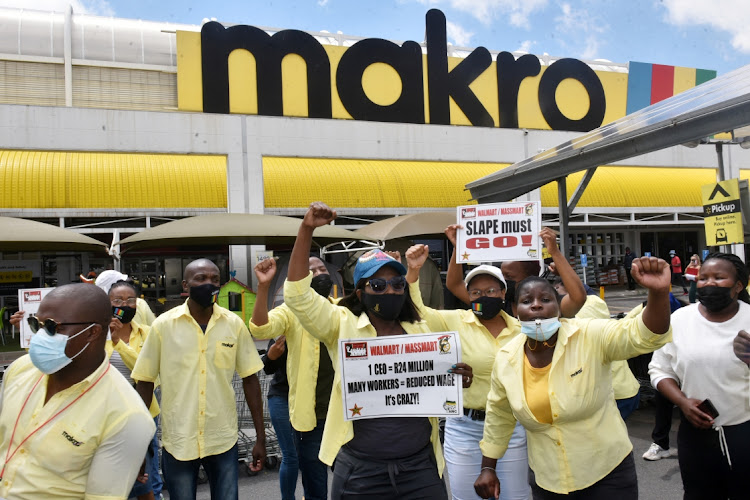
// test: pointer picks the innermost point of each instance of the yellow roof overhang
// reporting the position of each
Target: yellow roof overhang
(352, 183)
(64, 179)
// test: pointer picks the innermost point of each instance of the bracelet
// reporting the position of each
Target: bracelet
(487, 468)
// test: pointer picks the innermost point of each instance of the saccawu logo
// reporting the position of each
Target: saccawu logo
(355, 349)
(241, 69)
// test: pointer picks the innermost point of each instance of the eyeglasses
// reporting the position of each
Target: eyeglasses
(50, 325)
(379, 285)
(132, 302)
(490, 292)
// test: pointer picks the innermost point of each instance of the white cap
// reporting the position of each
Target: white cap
(106, 279)
(493, 271)
(672, 252)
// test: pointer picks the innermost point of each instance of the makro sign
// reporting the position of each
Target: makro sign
(242, 69)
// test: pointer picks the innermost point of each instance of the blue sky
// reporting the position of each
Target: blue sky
(676, 32)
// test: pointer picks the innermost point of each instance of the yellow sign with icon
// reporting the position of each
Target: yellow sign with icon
(722, 213)
(15, 276)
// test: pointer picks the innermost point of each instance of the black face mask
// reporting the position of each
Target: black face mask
(386, 306)
(204, 295)
(715, 298)
(322, 284)
(487, 307)
(125, 314)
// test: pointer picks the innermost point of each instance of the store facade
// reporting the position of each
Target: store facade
(127, 125)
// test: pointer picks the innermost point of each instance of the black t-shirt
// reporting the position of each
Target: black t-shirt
(404, 436)
(279, 385)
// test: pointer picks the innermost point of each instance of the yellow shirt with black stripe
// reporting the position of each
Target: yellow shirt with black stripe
(328, 323)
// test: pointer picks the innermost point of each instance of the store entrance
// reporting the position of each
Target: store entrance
(684, 243)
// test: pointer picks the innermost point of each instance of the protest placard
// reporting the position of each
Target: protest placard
(28, 301)
(401, 376)
(498, 232)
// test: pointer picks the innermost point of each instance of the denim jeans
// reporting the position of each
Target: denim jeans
(628, 405)
(463, 459)
(314, 472)
(181, 477)
(278, 408)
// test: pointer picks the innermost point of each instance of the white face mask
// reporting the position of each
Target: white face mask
(540, 329)
(47, 352)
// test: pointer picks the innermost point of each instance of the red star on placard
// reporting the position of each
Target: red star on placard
(465, 256)
(357, 410)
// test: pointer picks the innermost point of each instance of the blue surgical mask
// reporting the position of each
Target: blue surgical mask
(47, 352)
(540, 329)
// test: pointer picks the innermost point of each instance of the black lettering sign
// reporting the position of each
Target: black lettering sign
(443, 84)
(217, 43)
(510, 73)
(554, 75)
(405, 60)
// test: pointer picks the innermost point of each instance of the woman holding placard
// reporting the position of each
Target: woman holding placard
(556, 381)
(380, 457)
(483, 332)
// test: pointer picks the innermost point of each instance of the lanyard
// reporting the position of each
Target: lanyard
(8, 454)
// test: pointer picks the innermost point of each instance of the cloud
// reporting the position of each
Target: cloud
(525, 46)
(724, 15)
(580, 31)
(322, 3)
(458, 34)
(486, 11)
(94, 7)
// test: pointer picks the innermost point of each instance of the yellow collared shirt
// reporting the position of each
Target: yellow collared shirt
(129, 353)
(584, 412)
(302, 363)
(328, 322)
(92, 450)
(478, 346)
(624, 382)
(143, 313)
(199, 416)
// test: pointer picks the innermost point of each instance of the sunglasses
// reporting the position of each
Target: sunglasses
(50, 325)
(379, 285)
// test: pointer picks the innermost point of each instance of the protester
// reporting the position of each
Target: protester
(195, 350)
(410, 465)
(625, 385)
(691, 273)
(483, 331)
(676, 267)
(556, 380)
(70, 426)
(309, 374)
(698, 365)
(274, 363)
(127, 339)
(143, 315)
(627, 262)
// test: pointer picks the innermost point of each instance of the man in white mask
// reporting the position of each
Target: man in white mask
(70, 425)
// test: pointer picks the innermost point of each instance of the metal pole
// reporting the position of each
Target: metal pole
(562, 204)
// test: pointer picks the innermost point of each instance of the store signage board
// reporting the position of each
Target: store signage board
(401, 376)
(722, 213)
(29, 300)
(499, 232)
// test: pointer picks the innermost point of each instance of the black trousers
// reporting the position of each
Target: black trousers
(706, 474)
(620, 484)
(415, 477)
(662, 420)
(631, 280)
